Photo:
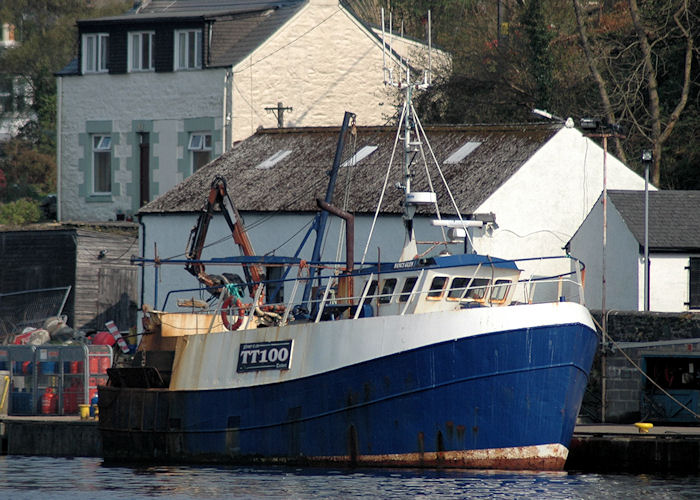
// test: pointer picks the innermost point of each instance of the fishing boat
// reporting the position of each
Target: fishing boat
(429, 360)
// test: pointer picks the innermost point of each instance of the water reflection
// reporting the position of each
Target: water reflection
(86, 478)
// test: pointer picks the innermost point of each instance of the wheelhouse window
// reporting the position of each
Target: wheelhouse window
(408, 286)
(188, 49)
(95, 52)
(141, 55)
(437, 286)
(694, 283)
(387, 291)
(457, 288)
(371, 290)
(101, 164)
(200, 146)
(477, 289)
(500, 291)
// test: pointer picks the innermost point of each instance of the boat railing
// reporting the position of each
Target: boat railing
(371, 299)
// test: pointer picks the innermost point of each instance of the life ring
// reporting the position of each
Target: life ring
(224, 314)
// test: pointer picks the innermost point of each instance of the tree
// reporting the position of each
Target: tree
(46, 33)
(642, 59)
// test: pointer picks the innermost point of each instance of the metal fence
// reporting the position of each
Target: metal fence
(19, 310)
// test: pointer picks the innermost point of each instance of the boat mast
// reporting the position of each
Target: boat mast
(412, 146)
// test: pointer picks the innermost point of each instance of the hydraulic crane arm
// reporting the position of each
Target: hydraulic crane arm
(218, 197)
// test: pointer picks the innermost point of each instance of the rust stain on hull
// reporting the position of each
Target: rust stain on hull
(549, 457)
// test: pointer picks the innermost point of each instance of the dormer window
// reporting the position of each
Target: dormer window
(141, 55)
(95, 52)
(188, 49)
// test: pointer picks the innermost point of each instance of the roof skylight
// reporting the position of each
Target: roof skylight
(363, 153)
(462, 152)
(274, 159)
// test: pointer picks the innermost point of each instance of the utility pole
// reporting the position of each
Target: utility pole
(278, 111)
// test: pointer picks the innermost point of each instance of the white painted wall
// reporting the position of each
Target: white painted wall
(624, 268)
(170, 233)
(668, 282)
(621, 260)
(540, 207)
(165, 98)
(322, 63)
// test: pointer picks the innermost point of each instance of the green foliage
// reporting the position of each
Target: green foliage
(27, 171)
(47, 34)
(20, 212)
(540, 36)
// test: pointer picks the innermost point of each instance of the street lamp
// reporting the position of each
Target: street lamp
(646, 161)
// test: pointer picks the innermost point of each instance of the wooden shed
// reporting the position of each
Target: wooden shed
(92, 259)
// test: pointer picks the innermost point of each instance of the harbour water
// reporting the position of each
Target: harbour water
(87, 478)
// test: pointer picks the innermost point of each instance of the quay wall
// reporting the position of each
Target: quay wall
(51, 436)
(638, 334)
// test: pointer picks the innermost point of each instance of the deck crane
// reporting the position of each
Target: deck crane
(218, 197)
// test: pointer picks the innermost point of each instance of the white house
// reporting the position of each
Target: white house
(534, 184)
(15, 92)
(158, 92)
(674, 251)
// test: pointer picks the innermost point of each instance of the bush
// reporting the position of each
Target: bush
(21, 212)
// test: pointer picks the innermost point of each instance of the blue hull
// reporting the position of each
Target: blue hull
(506, 390)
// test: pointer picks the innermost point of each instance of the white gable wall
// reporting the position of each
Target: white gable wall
(622, 265)
(542, 205)
(321, 63)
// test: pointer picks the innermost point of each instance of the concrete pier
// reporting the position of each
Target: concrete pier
(50, 436)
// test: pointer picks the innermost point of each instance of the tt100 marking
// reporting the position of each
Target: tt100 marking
(265, 356)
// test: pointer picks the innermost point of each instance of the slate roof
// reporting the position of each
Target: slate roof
(293, 183)
(674, 217)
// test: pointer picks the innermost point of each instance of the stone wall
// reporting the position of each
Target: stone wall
(637, 334)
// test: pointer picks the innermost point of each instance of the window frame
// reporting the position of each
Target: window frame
(693, 283)
(475, 286)
(101, 144)
(388, 288)
(500, 286)
(150, 37)
(199, 142)
(95, 53)
(409, 284)
(182, 56)
(437, 293)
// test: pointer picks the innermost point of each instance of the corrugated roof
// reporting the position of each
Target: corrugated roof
(674, 217)
(293, 183)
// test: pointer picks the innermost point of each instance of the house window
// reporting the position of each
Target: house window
(188, 49)
(101, 164)
(95, 52)
(200, 145)
(141, 55)
(694, 282)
